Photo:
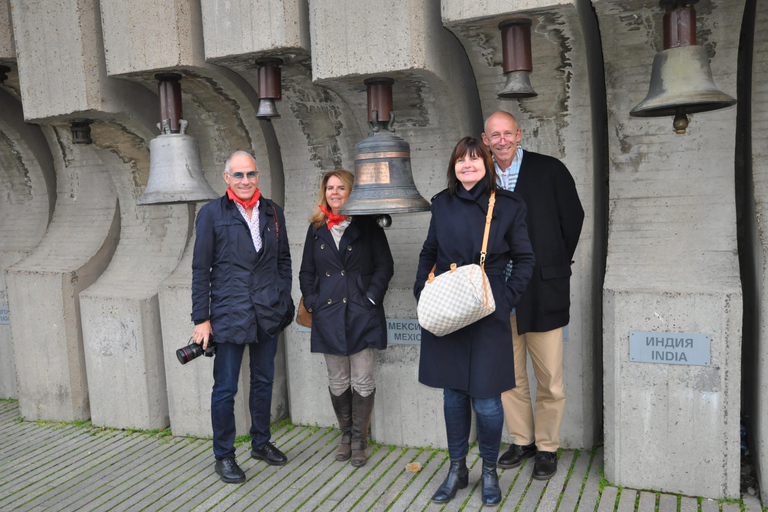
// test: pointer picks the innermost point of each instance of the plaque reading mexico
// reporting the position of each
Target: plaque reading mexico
(669, 348)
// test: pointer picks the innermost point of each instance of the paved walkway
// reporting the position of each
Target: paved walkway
(48, 466)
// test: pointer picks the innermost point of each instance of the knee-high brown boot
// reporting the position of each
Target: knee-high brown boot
(362, 407)
(342, 406)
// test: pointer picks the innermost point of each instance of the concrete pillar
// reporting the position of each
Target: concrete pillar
(316, 132)
(435, 104)
(557, 122)
(220, 107)
(7, 47)
(672, 264)
(754, 276)
(43, 288)
(28, 191)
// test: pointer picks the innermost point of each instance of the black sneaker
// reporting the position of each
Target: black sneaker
(545, 466)
(515, 455)
(229, 471)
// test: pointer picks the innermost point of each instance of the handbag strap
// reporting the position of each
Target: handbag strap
(484, 249)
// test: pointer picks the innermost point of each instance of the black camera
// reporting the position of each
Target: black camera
(194, 350)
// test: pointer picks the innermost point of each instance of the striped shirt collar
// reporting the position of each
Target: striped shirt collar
(507, 178)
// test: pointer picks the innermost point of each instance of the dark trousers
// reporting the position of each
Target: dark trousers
(457, 407)
(226, 372)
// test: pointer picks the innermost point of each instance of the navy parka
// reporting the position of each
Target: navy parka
(233, 286)
(476, 359)
(336, 284)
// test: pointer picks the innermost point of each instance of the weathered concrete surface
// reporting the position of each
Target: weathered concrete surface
(755, 277)
(435, 104)
(557, 122)
(61, 64)
(43, 288)
(220, 107)
(672, 265)
(28, 192)
(7, 47)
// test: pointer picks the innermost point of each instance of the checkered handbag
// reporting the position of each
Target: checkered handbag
(460, 296)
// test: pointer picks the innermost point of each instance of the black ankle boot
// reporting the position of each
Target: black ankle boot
(458, 478)
(490, 484)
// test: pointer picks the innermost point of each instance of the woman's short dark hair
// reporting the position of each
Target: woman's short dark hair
(474, 147)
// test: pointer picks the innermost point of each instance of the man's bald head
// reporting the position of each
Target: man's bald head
(502, 136)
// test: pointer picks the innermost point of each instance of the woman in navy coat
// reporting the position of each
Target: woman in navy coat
(472, 365)
(345, 272)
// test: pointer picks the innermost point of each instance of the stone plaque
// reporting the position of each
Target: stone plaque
(372, 173)
(669, 348)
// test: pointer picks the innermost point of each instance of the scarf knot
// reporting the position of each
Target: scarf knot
(246, 204)
(333, 219)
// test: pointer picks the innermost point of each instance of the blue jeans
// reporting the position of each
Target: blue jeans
(226, 372)
(458, 419)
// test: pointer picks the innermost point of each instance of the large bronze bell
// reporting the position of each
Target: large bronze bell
(383, 178)
(175, 169)
(681, 79)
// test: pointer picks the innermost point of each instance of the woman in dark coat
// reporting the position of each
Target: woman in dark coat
(474, 364)
(344, 275)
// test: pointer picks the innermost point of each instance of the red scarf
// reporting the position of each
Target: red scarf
(333, 219)
(246, 204)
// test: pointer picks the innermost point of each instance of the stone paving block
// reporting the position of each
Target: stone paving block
(751, 504)
(375, 482)
(575, 482)
(339, 477)
(354, 480)
(270, 476)
(513, 491)
(608, 499)
(382, 486)
(429, 472)
(668, 503)
(114, 476)
(647, 502)
(212, 484)
(627, 500)
(731, 507)
(74, 470)
(270, 492)
(404, 479)
(139, 478)
(592, 486)
(710, 506)
(161, 482)
(29, 445)
(532, 496)
(551, 494)
(692, 505)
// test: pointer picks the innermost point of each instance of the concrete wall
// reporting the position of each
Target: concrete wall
(557, 122)
(672, 265)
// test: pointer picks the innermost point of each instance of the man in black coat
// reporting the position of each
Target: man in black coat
(241, 291)
(554, 221)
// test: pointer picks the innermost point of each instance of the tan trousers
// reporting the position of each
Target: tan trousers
(546, 349)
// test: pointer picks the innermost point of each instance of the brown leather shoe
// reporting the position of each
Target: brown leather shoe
(362, 407)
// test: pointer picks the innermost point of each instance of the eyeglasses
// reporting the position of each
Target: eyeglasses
(251, 175)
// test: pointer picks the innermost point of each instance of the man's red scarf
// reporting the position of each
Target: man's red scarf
(246, 204)
(333, 219)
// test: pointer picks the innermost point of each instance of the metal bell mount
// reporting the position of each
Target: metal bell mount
(383, 179)
(175, 168)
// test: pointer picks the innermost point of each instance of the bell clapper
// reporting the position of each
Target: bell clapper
(681, 121)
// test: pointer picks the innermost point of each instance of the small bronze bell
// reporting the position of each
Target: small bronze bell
(269, 87)
(175, 169)
(383, 179)
(681, 79)
(518, 62)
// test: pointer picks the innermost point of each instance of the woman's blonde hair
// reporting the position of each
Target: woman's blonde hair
(346, 177)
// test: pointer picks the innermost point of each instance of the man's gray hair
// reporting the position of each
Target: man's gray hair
(228, 165)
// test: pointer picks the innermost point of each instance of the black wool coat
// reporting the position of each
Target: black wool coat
(233, 286)
(476, 359)
(336, 285)
(554, 221)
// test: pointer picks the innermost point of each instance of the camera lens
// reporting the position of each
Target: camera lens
(188, 353)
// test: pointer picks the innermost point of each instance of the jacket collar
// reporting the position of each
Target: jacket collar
(481, 201)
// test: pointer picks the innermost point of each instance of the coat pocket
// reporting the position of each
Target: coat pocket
(555, 292)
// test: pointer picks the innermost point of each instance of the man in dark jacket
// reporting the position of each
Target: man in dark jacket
(554, 221)
(241, 291)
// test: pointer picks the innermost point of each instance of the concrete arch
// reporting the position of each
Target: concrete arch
(27, 198)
